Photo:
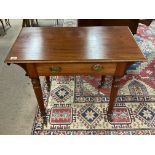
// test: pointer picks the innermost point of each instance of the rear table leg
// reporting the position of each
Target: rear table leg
(113, 95)
(48, 83)
(102, 81)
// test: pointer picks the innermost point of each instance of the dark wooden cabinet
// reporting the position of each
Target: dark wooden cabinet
(131, 23)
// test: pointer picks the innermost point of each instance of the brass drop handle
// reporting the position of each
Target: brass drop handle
(97, 67)
(55, 69)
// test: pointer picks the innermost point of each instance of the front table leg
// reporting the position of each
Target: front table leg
(113, 95)
(38, 92)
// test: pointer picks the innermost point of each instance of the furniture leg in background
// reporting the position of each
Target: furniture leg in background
(26, 23)
(29, 22)
(57, 22)
(2, 25)
(7, 22)
(34, 22)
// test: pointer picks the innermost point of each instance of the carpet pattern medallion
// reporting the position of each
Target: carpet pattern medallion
(75, 106)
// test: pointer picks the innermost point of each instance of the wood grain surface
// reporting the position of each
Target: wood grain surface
(75, 44)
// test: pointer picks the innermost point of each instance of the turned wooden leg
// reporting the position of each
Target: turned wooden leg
(32, 73)
(113, 95)
(48, 83)
(102, 81)
(38, 92)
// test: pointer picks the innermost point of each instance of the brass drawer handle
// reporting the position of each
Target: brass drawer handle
(55, 69)
(97, 67)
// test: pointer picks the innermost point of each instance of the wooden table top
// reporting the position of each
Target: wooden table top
(75, 44)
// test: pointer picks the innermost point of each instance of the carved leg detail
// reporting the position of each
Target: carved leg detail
(38, 92)
(48, 83)
(39, 95)
(113, 95)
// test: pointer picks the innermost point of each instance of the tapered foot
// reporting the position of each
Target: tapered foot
(113, 96)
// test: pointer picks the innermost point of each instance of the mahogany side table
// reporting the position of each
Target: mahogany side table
(74, 51)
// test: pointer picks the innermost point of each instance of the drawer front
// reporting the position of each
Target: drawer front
(76, 69)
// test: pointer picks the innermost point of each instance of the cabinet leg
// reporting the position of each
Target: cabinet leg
(113, 95)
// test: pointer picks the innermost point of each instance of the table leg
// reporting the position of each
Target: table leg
(102, 81)
(37, 22)
(38, 92)
(48, 83)
(113, 95)
(2, 25)
(7, 22)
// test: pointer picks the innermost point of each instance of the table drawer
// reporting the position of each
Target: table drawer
(76, 68)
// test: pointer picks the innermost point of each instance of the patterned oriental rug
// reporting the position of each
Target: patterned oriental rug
(76, 107)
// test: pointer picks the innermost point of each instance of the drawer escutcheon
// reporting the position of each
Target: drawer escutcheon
(97, 67)
(55, 69)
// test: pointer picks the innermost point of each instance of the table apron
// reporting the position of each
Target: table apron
(75, 69)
